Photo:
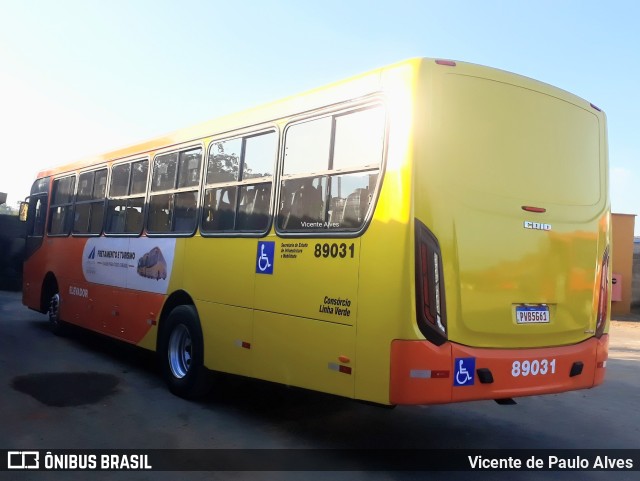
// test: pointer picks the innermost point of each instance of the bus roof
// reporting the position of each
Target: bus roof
(356, 87)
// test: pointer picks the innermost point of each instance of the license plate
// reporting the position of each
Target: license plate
(532, 314)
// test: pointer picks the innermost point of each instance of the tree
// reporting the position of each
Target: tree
(5, 209)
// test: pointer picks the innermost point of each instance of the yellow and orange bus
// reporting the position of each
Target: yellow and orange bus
(429, 232)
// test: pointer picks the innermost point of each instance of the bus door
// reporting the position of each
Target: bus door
(36, 222)
(36, 216)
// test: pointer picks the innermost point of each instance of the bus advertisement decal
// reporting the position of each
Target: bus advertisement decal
(465, 371)
(141, 263)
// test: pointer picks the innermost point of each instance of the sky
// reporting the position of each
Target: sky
(82, 77)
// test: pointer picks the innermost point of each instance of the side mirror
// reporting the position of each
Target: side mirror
(24, 208)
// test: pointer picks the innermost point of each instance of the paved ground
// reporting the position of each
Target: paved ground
(84, 391)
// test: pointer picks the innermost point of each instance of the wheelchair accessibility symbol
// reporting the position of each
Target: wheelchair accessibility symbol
(465, 368)
(264, 257)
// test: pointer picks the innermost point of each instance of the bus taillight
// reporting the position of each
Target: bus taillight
(430, 301)
(603, 298)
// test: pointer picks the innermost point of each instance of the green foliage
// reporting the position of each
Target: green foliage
(8, 210)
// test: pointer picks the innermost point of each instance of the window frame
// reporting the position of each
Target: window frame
(197, 188)
(243, 135)
(69, 215)
(334, 112)
(127, 197)
(91, 202)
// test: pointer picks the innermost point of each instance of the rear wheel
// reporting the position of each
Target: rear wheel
(181, 352)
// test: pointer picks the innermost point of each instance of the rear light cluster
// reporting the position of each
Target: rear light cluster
(603, 297)
(430, 301)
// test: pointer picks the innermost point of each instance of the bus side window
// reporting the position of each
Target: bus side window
(355, 208)
(306, 204)
(185, 212)
(172, 208)
(61, 218)
(138, 182)
(253, 212)
(238, 184)
(41, 215)
(225, 209)
(133, 220)
(334, 159)
(164, 172)
(125, 212)
(189, 168)
(208, 210)
(115, 217)
(81, 218)
(159, 213)
(97, 217)
(219, 209)
(89, 202)
(286, 201)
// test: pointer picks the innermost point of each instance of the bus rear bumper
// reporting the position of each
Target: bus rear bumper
(422, 373)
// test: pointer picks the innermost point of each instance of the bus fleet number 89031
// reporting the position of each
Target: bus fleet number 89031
(536, 367)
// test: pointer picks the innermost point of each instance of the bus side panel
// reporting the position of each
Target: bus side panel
(219, 270)
(132, 314)
(385, 291)
(127, 279)
(228, 337)
(305, 312)
(83, 304)
(304, 352)
(311, 278)
(385, 295)
(64, 262)
(115, 311)
(32, 280)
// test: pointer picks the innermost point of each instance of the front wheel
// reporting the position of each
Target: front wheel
(181, 352)
(56, 325)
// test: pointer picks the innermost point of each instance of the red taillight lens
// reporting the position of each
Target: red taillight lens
(430, 305)
(537, 210)
(603, 297)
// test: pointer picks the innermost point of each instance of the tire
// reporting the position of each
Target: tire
(56, 325)
(181, 354)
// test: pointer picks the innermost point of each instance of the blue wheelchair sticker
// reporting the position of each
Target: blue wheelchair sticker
(464, 371)
(264, 257)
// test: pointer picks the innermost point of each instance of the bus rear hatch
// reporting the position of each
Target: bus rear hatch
(525, 194)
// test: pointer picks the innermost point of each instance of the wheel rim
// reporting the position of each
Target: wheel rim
(179, 351)
(54, 309)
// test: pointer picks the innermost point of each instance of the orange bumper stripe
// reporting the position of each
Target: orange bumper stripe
(515, 372)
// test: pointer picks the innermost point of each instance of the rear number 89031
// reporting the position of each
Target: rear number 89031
(534, 368)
